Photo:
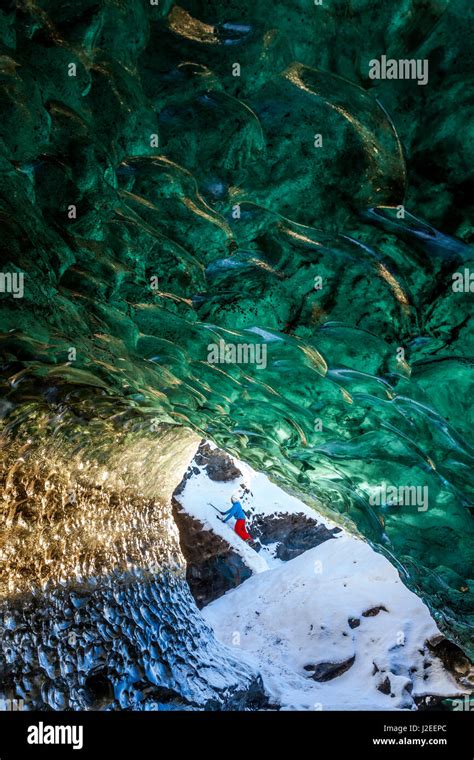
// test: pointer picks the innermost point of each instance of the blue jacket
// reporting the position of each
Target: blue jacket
(235, 511)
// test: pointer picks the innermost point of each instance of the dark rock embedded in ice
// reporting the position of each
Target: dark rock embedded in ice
(293, 534)
(212, 565)
(219, 466)
(326, 671)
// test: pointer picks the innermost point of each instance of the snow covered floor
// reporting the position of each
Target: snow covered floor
(291, 619)
(297, 615)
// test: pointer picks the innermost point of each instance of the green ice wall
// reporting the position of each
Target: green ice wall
(173, 176)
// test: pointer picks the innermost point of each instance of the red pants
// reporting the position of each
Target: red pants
(241, 530)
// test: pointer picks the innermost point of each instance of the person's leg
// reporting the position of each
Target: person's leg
(241, 530)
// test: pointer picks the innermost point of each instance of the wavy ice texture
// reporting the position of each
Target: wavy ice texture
(167, 212)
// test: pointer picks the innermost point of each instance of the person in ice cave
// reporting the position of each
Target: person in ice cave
(236, 511)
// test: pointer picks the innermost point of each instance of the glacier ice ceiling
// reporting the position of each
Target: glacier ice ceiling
(180, 176)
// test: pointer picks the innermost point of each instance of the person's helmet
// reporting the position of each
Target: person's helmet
(235, 497)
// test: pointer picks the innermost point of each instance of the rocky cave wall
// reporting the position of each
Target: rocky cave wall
(95, 611)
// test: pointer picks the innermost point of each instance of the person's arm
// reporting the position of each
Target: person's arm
(230, 513)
